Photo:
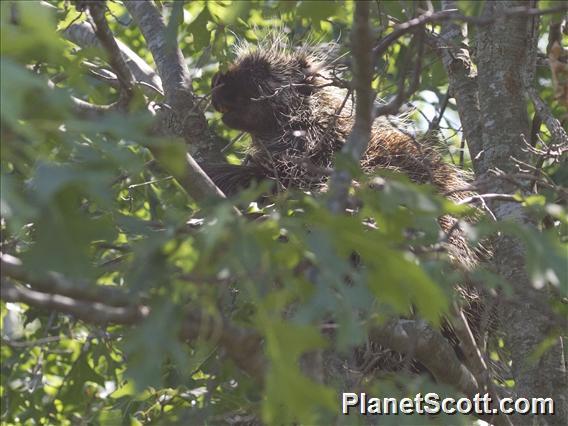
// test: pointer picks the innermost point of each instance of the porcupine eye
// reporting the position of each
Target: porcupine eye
(239, 95)
(217, 84)
(225, 94)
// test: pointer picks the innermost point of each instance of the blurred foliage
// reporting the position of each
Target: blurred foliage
(85, 199)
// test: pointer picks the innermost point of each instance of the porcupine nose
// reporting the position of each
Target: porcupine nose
(220, 107)
(216, 95)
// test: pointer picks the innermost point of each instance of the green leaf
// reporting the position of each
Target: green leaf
(52, 178)
(152, 343)
(229, 14)
(63, 235)
(317, 11)
(15, 204)
(201, 35)
(33, 37)
(74, 390)
(290, 396)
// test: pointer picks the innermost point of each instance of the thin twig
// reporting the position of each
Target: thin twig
(392, 107)
(493, 197)
(233, 141)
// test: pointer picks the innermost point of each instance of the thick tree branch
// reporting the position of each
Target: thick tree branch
(167, 56)
(192, 178)
(502, 48)
(243, 346)
(182, 117)
(417, 339)
(88, 110)
(429, 348)
(504, 54)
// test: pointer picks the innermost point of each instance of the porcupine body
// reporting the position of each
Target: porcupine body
(298, 120)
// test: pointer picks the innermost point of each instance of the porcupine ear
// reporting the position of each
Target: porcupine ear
(305, 66)
(313, 58)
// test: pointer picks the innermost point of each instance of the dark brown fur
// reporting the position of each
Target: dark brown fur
(298, 121)
(285, 100)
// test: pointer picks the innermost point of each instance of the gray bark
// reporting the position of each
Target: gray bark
(505, 59)
(184, 116)
(462, 77)
(181, 115)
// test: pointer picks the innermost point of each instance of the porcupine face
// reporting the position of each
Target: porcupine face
(254, 93)
(238, 95)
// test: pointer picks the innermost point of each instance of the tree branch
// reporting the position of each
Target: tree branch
(192, 178)
(393, 107)
(483, 197)
(116, 60)
(558, 132)
(475, 360)
(243, 346)
(183, 116)
(451, 13)
(89, 110)
(358, 139)
(417, 339)
(83, 35)
(429, 348)
(462, 79)
(93, 304)
(504, 54)
(55, 283)
(91, 312)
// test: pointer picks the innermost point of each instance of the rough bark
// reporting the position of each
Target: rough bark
(502, 48)
(462, 77)
(184, 116)
(504, 62)
(181, 114)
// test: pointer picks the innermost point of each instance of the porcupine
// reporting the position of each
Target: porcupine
(298, 120)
